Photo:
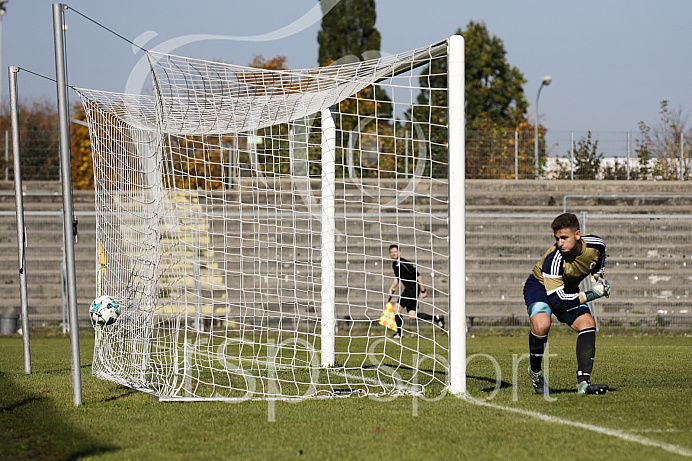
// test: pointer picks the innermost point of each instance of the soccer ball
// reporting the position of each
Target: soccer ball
(104, 311)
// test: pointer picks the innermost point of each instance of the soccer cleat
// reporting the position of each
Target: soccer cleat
(397, 335)
(539, 384)
(440, 321)
(585, 387)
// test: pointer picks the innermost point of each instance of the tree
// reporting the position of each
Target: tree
(616, 171)
(81, 162)
(38, 137)
(205, 162)
(658, 147)
(40, 144)
(348, 34)
(587, 161)
(493, 86)
(643, 149)
(348, 30)
(277, 63)
(495, 107)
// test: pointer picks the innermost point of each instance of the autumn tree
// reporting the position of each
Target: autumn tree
(206, 160)
(38, 137)
(276, 63)
(82, 161)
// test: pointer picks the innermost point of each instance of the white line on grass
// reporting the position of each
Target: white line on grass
(652, 430)
(589, 427)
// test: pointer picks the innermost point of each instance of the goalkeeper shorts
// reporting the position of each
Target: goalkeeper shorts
(537, 301)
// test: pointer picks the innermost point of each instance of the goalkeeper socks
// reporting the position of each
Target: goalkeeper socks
(536, 348)
(586, 351)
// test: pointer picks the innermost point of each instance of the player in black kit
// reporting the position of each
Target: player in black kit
(406, 272)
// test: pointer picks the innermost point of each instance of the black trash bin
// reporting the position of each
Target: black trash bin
(8, 324)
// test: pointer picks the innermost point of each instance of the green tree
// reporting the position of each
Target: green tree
(348, 30)
(643, 149)
(495, 107)
(616, 171)
(428, 119)
(587, 160)
(493, 86)
(587, 163)
(348, 34)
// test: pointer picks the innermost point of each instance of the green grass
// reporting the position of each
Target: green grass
(649, 403)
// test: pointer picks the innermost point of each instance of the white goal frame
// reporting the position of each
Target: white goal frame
(172, 349)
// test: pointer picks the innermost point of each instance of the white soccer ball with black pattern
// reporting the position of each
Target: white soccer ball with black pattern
(104, 310)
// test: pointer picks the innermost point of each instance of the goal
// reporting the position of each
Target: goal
(244, 218)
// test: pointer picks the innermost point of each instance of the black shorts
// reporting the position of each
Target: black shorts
(537, 301)
(408, 301)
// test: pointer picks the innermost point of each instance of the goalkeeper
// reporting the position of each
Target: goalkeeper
(406, 272)
(553, 288)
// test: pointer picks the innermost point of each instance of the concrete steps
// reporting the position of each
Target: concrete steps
(507, 232)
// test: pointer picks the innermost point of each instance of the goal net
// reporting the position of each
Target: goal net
(244, 218)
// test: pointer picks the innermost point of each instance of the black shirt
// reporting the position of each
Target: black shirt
(406, 271)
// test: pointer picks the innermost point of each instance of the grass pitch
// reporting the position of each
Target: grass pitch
(647, 414)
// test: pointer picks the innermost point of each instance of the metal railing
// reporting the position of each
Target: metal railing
(622, 196)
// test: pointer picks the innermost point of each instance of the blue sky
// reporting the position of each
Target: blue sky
(611, 61)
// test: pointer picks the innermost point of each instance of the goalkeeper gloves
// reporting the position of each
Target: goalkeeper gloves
(600, 275)
(599, 289)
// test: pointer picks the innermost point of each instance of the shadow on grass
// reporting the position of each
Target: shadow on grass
(493, 381)
(50, 371)
(124, 392)
(89, 452)
(31, 426)
(10, 408)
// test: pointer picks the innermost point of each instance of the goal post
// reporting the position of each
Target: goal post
(328, 236)
(244, 218)
(457, 217)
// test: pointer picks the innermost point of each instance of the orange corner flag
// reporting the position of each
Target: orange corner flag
(387, 317)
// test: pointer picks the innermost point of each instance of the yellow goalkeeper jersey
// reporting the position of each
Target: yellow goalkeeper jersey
(561, 275)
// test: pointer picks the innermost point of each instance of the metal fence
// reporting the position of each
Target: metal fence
(39, 151)
(574, 155)
(489, 155)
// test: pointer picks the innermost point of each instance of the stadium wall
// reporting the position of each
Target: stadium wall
(646, 224)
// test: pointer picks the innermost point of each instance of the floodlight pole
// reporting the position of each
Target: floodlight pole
(69, 224)
(457, 216)
(21, 230)
(546, 81)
